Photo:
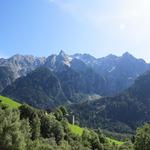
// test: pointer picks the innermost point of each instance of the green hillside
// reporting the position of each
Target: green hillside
(79, 131)
(111, 141)
(76, 129)
(9, 102)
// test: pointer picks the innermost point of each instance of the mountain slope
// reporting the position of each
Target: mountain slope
(119, 72)
(77, 81)
(80, 79)
(17, 66)
(40, 88)
(6, 77)
(121, 113)
(46, 89)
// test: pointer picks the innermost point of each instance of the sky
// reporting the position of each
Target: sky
(97, 27)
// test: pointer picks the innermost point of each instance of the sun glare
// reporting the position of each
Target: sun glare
(139, 8)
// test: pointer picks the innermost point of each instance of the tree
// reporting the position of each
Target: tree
(142, 138)
(26, 131)
(58, 132)
(126, 146)
(95, 143)
(11, 137)
(91, 139)
(102, 138)
(51, 128)
(35, 127)
(58, 114)
(63, 110)
(27, 112)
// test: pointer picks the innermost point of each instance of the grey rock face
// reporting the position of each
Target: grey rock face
(18, 66)
(58, 62)
(21, 65)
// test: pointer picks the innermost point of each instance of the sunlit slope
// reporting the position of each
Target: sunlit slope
(79, 131)
(9, 102)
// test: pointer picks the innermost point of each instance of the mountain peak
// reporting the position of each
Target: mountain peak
(127, 54)
(111, 56)
(16, 56)
(62, 53)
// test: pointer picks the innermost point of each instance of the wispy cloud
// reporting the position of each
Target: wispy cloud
(131, 16)
(99, 11)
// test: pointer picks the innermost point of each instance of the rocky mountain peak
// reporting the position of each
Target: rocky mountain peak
(111, 56)
(63, 59)
(62, 53)
(127, 55)
(86, 58)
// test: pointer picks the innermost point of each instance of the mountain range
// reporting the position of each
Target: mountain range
(110, 92)
(67, 79)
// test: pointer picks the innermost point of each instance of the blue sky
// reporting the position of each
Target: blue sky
(98, 27)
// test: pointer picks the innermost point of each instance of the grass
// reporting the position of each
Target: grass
(111, 141)
(7, 101)
(76, 129)
(79, 131)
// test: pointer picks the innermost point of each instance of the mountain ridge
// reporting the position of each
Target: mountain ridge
(79, 74)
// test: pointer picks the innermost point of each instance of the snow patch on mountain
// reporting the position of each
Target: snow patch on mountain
(112, 69)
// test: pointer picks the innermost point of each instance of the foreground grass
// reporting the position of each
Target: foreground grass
(7, 101)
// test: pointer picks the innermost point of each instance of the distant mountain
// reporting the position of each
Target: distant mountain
(58, 62)
(18, 66)
(44, 88)
(21, 65)
(121, 113)
(86, 58)
(79, 81)
(79, 74)
(119, 72)
(40, 88)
